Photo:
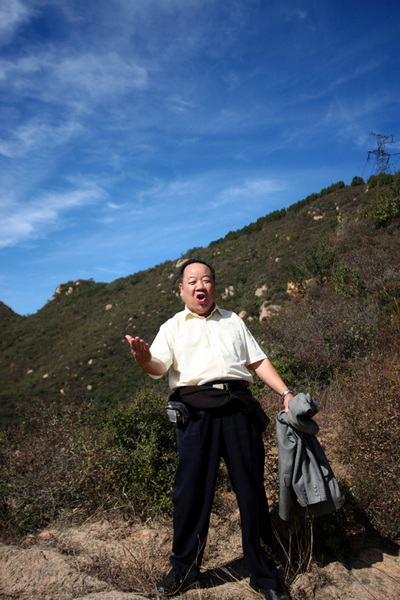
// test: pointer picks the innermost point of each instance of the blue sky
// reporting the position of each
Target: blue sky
(134, 130)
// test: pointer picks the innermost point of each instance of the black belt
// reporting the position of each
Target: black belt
(226, 384)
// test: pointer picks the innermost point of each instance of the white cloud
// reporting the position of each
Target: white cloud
(115, 206)
(52, 77)
(100, 75)
(10, 70)
(255, 188)
(36, 134)
(12, 14)
(181, 105)
(32, 220)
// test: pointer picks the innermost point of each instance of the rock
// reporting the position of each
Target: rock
(260, 291)
(268, 310)
(112, 596)
(229, 292)
(36, 574)
(372, 574)
(180, 262)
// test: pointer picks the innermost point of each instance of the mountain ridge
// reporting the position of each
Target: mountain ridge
(77, 337)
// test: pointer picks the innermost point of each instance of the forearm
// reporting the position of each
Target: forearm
(269, 375)
(153, 367)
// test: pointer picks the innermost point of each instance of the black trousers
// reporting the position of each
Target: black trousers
(209, 435)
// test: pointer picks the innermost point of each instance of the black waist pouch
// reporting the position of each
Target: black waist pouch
(217, 395)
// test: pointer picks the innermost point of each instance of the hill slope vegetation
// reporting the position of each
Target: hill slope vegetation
(319, 286)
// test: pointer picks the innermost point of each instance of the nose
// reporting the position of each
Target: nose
(200, 284)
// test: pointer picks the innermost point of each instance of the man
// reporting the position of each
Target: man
(210, 354)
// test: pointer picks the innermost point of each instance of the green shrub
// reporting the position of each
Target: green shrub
(284, 363)
(386, 205)
(145, 441)
(315, 263)
(332, 188)
(380, 179)
(319, 258)
(67, 457)
(301, 203)
(357, 181)
(347, 282)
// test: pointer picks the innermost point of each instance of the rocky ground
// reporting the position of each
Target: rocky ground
(106, 560)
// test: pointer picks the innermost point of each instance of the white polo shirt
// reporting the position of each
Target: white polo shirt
(199, 349)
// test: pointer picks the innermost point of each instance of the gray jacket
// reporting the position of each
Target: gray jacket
(306, 480)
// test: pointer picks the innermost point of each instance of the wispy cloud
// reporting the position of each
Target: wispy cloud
(28, 221)
(12, 14)
(249, 190)
(297, 13)
(87, 78)
(33, 135)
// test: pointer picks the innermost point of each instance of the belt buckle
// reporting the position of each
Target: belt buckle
(221, 386)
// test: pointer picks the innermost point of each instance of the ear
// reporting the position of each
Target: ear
(180, 288)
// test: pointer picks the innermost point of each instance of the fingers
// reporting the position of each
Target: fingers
(136, 343)
(139, 349)
(286, 402)
(131, 341)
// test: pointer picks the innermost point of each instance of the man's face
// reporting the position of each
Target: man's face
(198, 289)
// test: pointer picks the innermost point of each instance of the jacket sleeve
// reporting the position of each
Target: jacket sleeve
(287, 444)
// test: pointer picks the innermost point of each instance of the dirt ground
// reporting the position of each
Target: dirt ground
(113, 559)
(116, 560)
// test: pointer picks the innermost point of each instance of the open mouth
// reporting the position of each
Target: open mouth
(201, 297)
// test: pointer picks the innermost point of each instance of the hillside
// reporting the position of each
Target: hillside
(77, 339)
(86, 447)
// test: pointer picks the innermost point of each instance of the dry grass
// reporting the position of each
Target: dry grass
(366, 412)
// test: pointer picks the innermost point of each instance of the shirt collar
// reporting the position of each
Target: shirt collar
(191, 315)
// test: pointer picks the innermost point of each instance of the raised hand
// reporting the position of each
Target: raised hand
(141, 352)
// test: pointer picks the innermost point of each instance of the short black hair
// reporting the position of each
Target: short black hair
(192, 261)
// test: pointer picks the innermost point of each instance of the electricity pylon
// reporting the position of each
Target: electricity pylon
(382, 157)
